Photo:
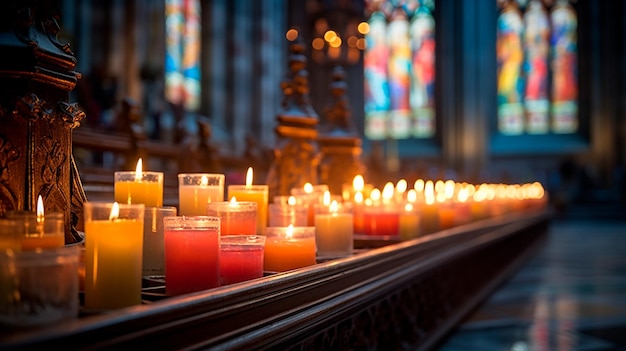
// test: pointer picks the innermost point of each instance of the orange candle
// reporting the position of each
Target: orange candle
(39, 230)
(139, 187)
(288, 248)
(254, 193)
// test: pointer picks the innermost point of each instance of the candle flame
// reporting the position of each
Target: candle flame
(358, 183)
(291, 201)
(358, 197)
(249, 177)
(388, 191)
(204, 181)
(462, 195)
(411, 196)
(308, 188)
(419, 185)
(334, 207)
(408, 207)
(289, 232)
(233, 201)
(138, 170)
(401, 186)
(326, 198)
(375, 194)
(115, 211)
(40, 212)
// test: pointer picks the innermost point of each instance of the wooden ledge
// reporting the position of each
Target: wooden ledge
(407, 293)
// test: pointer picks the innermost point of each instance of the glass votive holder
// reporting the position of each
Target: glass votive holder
(9, 238)
(283, 214)
(192, 251)
(113, 255)
(196, 190)
(288, 248)
(236, 217)
(381, 220)
(153, 239)
(334, 230)
(409, 221)
(39, 231)
(143, 188)
(38, 287)
(257, 193)
(241, 258)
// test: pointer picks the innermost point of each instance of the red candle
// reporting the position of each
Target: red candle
(241, 258)
(381, 220)
(192, 252)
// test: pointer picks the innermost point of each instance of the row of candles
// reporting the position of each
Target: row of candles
(210, 241)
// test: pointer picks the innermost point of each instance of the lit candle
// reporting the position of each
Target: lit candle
(255, 193)
(236, 217)
(334, 229)
(357, 212)
(241, 258)
(192, 252)
(288, 248)
(430, 209)
(139, 187)
(113, 255)
(409, 222)
(382, 216)
(196, 190)
(39, 230)
(282, 214)
(309, 196)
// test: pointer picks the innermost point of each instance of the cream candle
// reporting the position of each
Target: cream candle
(334, 230)
(282, 214)
(139, 187)
(288, 248)
(113, 254)
(409, 222)
(255, 193)
(196, 190)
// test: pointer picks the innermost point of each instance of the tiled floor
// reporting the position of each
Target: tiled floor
(570, 296)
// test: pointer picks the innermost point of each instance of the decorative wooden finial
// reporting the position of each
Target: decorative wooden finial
(296, 157)
(339, 141)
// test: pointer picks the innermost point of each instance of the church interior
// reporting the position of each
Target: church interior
(313, 174)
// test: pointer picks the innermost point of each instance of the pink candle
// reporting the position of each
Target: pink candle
(241, 258)
(192, 252)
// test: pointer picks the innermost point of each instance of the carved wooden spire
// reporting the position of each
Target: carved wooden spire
(296, 156)
(339, 141)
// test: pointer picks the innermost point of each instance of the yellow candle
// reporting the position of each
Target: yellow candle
(113, 256)
(254, 193)
(139, 187)
(409, 222)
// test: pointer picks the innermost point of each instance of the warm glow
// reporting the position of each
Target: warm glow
(291, 34)
(334, 207)
(335, 43)
(462, 195)
(361, 44)
(326, 198)
(249, 177)
(308, 188)
(318, 43)
(358, 197)
(388, 191)
(289, 232)
(401, 186)
(352, 41)
(330, 35)
(408, 207)
(291, 201)
(204, 181)
(358, 183)
(448, 189)
(233, 201)
(115, 211)
(440, 186)
(138, 170)
(40, 212)
(429, 188)
(419, 185)
(363, 27)
(411, 196)
(375, 194)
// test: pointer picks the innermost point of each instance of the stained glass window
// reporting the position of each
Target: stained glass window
(399, 68)
(182, 56)
(537, 67)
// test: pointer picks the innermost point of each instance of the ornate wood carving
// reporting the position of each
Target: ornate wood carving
(36, 119)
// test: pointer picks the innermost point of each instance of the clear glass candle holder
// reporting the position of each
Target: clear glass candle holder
(145, 188)
(241, 258)
(196, 190)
